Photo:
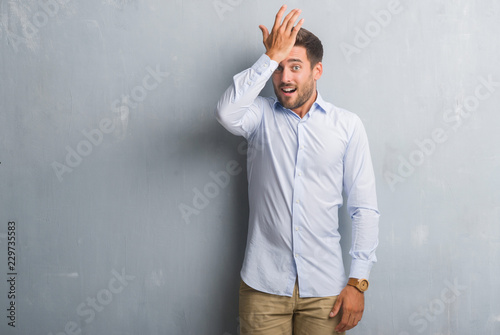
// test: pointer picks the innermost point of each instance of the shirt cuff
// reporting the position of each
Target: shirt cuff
(263, 64)
(360, 269)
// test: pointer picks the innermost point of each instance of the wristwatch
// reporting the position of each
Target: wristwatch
(360, 284)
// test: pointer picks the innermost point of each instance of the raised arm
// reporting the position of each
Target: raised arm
(238, 109)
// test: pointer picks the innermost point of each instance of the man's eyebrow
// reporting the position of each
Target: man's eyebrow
(294, 60)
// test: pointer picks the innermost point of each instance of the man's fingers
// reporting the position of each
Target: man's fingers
(280, 40)
(347, 322)
(336, 308)
(286, 21)
(279, 15)
(351, 322)
(296, 29)
(343, 323)
(265, 32)
(291, 20)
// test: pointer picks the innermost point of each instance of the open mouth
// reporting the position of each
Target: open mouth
(288, 90)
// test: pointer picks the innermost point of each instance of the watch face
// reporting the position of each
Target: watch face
(363, 285)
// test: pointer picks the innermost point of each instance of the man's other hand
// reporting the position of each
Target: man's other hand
(352, 303)
(281, 40)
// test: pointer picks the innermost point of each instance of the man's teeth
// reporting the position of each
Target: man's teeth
(288, 90)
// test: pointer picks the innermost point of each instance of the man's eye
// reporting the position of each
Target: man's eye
(296, 67)
(278, 69)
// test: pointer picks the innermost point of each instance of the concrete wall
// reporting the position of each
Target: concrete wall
(107, 136)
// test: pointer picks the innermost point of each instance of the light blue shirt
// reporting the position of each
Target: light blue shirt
(297, 169)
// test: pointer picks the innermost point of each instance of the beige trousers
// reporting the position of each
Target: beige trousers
(269, 314)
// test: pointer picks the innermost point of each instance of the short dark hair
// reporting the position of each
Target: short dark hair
(313, 45)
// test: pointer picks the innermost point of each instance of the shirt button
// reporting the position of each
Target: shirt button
(298, 201)
(300, 174)
(296, 228)
(296, 255)
(301, 147)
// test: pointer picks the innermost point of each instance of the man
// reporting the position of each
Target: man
(302, 153)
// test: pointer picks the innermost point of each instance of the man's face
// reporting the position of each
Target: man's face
(294, 81)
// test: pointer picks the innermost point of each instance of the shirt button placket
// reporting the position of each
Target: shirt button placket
(297, 193)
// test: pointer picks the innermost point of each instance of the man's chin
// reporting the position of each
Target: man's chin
(287, 104)
(291, 106)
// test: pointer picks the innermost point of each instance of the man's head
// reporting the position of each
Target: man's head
(295, 78)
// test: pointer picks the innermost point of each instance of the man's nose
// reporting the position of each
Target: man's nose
(285, 76)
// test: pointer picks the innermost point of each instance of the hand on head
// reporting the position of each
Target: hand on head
(281, 40)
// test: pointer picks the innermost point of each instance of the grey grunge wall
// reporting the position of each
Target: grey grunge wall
(123, 203)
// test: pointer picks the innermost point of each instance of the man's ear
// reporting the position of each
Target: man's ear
(317, 70)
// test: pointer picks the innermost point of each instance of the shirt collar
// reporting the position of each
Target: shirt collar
(319, 103)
